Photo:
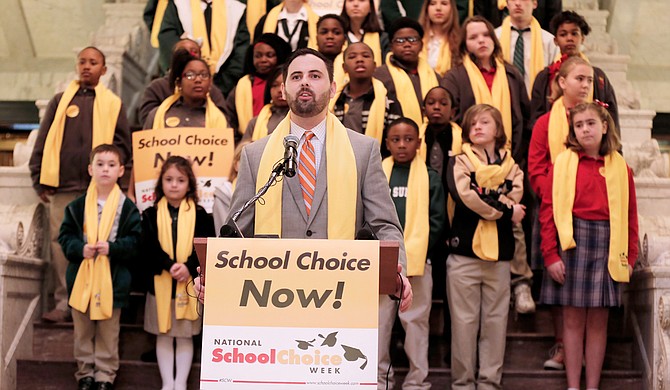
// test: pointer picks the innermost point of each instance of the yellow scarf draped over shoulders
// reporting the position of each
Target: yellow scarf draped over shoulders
(342, 185)
(106, 109)
(158, 20)
(498, 96)
(214, 118)
(185, 302)
(93, 289)
(405, 89)
(490, 177)
(261, 126)
(244, 103)
(557, 131)
(536, 46)
(272, 18)
(376, 116)
(443, 59)
(417, 209)
(255, 11)
(563, 193)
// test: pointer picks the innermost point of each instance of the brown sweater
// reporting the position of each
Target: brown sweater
(458, 83)
(77, 143)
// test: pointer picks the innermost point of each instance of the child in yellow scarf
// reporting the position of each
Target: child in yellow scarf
(589, 237)
(418, 196)
(99, 235)
(486, 186)
(442, 34)
(168, 229)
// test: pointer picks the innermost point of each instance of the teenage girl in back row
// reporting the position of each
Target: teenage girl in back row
(589, 237)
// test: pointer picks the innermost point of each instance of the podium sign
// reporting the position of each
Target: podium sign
(209, 150)
(290, 314)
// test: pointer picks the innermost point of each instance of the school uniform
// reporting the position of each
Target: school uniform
(96, 342)
(293, 28)
(157, 261)
(415, 320)
(277, 114)
(587, 279)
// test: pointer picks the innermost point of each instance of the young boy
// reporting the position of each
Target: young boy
(363, 104)
(86, 115)
(418, 196)
(405, 69)
(99, 236)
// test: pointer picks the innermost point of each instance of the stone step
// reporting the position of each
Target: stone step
(58, 374)
(523, 350)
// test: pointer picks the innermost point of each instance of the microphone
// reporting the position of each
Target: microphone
(290, 154)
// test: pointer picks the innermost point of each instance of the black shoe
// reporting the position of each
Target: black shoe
(104, 385)
(87, 383)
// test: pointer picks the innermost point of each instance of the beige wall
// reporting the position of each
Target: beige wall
(642, 30)
(38, 39)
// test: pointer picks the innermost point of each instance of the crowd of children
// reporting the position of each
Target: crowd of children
(492, 138)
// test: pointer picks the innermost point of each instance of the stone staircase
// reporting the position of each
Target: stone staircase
(528, 340)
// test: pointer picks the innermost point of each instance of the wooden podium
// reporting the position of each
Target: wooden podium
(388, 259)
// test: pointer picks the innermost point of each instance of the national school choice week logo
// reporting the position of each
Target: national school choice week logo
(308, 353)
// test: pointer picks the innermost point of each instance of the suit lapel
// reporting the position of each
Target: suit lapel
(293, 184)
(321, 185)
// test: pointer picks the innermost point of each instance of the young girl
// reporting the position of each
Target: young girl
(273, 112)
(330, 36)
(589, 237)
(168, 229)
(486, 186)
(362, 25)
(439, 19)
(248, 98)
(223, 195)
(574, 82)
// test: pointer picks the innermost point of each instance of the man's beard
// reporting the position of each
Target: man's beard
(308, 108)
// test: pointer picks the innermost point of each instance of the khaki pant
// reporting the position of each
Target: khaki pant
(59, 263)
(519, 264)
(96, 346)
(416, 322)
(478, 293)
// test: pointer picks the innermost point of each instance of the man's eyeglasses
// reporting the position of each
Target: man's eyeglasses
(402, 40)
(193, 75)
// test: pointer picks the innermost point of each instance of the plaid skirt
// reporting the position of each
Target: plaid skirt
(587, 280)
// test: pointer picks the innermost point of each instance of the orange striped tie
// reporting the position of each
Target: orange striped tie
(307, 171)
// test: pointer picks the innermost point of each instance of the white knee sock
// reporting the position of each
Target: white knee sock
(165, 357)
(184, 359)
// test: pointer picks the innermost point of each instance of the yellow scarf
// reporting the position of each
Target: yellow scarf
(185, 303)
(93, 287)
(339, 75)
(271, 20)
(255, 11)
(261, 126)
(158, 20)
(498, 96)
(502, 4)
(557, 131)
(211, 50)
(375, 126)
(536, 46)
(214, 118)
(417, 226)
(404, 87)
(616, 179)
(456, 139)
(485, 240)
(342, 183)
(444, 58)
(106, 108)
(244, 103)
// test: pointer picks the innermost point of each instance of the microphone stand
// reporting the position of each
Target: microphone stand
(233, 231)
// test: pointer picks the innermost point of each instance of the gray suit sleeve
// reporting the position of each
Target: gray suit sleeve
(244, 190)
(379, 211)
